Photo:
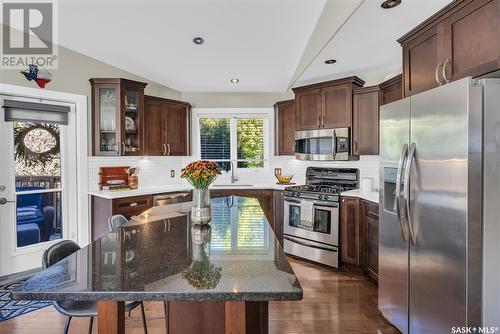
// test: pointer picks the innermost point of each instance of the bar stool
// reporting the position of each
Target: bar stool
(70, 308)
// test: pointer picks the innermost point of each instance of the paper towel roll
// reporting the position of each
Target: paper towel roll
(366, 184)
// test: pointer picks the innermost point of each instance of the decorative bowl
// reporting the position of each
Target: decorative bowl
(284, 179)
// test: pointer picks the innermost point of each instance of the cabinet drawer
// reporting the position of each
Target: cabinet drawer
(371, 210)
(130, 206)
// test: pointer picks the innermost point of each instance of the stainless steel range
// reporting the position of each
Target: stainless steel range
(312, 214)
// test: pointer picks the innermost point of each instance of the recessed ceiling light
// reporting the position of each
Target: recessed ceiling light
(388, 4)
(198, 40)
(235, 80)
(330, 61)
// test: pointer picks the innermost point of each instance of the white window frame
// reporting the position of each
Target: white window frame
(267, 114)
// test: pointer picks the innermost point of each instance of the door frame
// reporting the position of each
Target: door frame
(82, 236)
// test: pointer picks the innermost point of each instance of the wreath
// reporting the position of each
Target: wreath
(26, 155)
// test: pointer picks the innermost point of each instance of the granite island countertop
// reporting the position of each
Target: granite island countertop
(160, 256)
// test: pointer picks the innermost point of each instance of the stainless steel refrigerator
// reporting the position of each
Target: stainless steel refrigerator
(439, 234)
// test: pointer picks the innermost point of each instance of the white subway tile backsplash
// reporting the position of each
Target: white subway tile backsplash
(155, 171)
(368, 166)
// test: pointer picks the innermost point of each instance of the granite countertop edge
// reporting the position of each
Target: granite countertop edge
(159, 296)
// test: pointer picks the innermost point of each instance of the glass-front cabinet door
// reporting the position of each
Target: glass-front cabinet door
(109, 121)
(117, 111)
(131, 117)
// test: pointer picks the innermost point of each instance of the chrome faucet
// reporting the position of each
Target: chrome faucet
(233, 178)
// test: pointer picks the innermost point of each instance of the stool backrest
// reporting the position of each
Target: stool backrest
(57, 252)
(115, 221)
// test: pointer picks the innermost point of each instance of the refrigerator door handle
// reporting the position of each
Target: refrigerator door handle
(411, 156)
(402, 158)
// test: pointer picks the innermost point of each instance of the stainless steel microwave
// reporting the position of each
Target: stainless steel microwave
(324, 144)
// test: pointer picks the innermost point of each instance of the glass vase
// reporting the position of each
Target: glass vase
(201, 211)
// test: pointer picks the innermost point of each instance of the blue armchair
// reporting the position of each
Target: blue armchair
(31, 210)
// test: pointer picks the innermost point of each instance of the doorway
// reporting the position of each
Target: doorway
(39, 181)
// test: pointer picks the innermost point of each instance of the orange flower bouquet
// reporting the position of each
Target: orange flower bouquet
(201, 173)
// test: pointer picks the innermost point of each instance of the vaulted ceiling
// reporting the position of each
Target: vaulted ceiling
(258, 42)
(267, 45)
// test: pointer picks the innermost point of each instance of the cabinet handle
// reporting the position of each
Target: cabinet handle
(355, 146)
(319, 121)
(133, 204)
(164, 149)
(322, 121)
(123, 148)
(436, 73)
(168, 145)
(444, 71)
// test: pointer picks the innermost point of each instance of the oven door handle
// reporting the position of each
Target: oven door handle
(292, 201)
(308, 244)
(327, 206)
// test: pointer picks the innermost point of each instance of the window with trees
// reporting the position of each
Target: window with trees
(238, 139)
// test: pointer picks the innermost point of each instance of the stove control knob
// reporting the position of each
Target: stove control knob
(298, 194)
(326, 197)
(320, 197)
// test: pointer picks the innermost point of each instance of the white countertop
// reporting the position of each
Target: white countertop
(371, 196)
(183, 187)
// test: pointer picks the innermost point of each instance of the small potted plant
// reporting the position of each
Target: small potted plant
(201, 174)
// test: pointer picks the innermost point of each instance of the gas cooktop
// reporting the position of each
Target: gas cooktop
(325, 184)
(332, 189)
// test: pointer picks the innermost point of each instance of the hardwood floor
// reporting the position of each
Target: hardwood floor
(334, 302)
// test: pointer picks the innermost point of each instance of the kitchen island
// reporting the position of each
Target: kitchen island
(216, 279)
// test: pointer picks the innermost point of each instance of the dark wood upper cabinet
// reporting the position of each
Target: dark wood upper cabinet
(167, 127)
(471, 40)
(284, 115)
(458, 41)
(308, 109)
(117, 116)
(350, 246)
(365, 129)
(325, 105)
(177, 134)
(337, 108)
(155, 134)
(420, 62)
(391, 90)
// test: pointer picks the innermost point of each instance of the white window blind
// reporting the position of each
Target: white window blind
(238, 139)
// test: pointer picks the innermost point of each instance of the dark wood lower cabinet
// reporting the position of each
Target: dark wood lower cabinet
(103, 208)
(279, 214)
(359, 234)
(369, 250)
(349, 231)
